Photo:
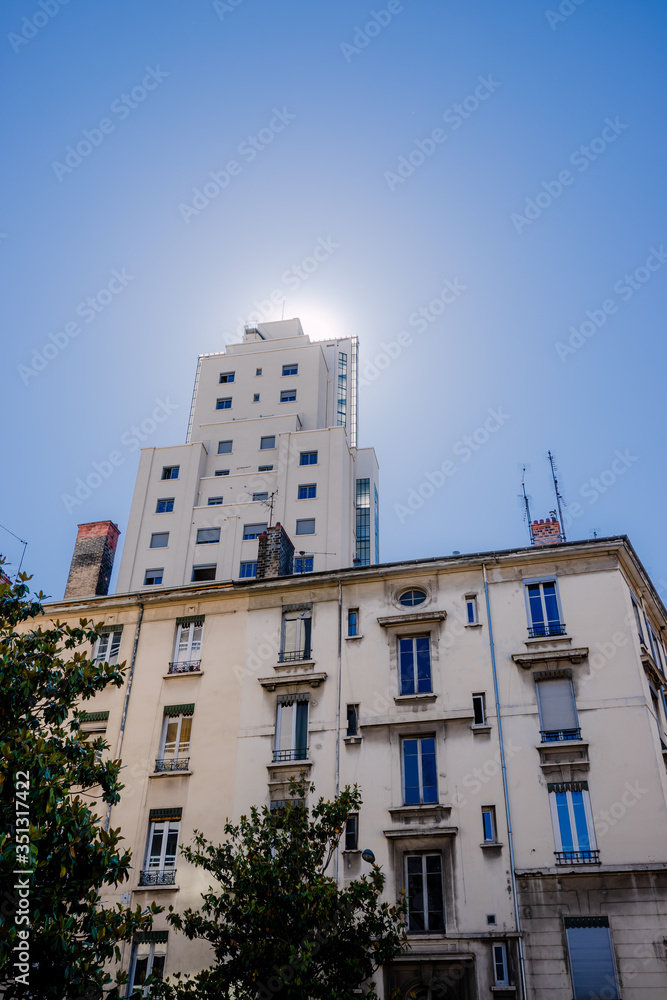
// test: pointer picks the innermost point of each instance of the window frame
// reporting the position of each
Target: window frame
(207, 541)
(267, 447)
(305, 520)
(416, 680)
(249, 534)
(223, 403)
(113, 639)
(225, 450)
(419, 739)
(411, 590)
(577, 848)
(304, 564)
(305, 454)
(489, 825)
(298, 732)
(303, 491)
(265, 468)
(171, 469)
(162, 858)
(215, 501)
(178, 748)
(563, 733)
(247, 575)
(258, 372)
(500, 947)
(155, 572)
(423, 856)
(226, 378)
(352, 716)
(294, 365)
(260, 497)
(156, 949)
(159, 534)
(287, 396)
(204, 566)
(166, 501)
(352, 833)
(583, 924)
(352, 626)
(550, 627)
(480, 697)
(183, 652)
(471, 608)
(303, 636)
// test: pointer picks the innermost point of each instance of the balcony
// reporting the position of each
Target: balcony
(172, 764)
(185, 667)
(157, 876)
(299, 753)
(577, 857)
(559, 735)
(294, 655)
(546, 630)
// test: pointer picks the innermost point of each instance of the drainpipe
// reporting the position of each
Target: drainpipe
(127, 699)
(510, 836)
(339, 687)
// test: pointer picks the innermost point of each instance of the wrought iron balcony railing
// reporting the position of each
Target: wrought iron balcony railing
(293, 655)
(172, 764)
(157, 876)
(544, 631)
(577, 857)
(185, 667)
(299, 753)
(559, 735)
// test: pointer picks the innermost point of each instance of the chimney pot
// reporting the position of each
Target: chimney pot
(92, 560)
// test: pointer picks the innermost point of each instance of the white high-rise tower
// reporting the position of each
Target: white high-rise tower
(272, 438)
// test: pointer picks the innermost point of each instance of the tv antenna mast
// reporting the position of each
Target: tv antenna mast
(24, 544)
(270, 503)
(559, 498)
(302, 553)
(526, 505)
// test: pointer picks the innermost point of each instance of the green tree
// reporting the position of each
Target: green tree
(279, 925)
(55, 937)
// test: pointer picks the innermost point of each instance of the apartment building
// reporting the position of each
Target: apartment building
(503, 714)
(272, 436)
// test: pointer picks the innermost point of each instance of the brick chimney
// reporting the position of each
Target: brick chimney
(275, 555)
(545, 532)
(92, 560)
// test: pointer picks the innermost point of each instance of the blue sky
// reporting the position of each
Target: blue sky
(489, 179)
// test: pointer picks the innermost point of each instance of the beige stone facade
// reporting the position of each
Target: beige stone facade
(384, 676)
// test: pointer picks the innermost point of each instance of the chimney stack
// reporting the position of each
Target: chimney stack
(275, 555)
(92, 560)
(545, 532)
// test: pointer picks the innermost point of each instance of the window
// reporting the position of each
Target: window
(265, 468)
(295, 637)
(352, 720)
(308, 458)
(260, 496)
(148, 958)
(225, 447)
(352, 832)
(291, 728)
(420, 783)
(414, 655)
(267, 443)
(341, 419)
(165, 506)
(638, 619)
(363, 523)
(214, 501)
(471, 609)
(573, 823)
(543, 611)
(251, 531)
(255, 397)
(222, 472)
(258, 371)
(247, 570)
(353, 621)
(153, 577)
(306, 526)
(423, 876)
(108, 645)
(307, 492)
(303, 564)
(500, 965)
(170, 471)
(175, 742)
(591, 956)
(224, 404)
(411, 598)
(187, 649)
(558, 712)
(205, 571)
(160, 864)
(489, 824)
(227, 376)
(207, 536)
(288, 395)
(159, 540)
(479, 709)
(290, 369)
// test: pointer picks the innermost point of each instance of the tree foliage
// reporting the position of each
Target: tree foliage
(279, 925)
(54, 850)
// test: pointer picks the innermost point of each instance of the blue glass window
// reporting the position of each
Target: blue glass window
(224, 404)
(303, 564)
(165, 506)
(308, 458)
(420, 782)
(415, 665)
(288, 395)
(290, 369)
(248, 569)
(307, 492)
(543, 607)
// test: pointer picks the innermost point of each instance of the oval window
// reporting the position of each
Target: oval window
(411, 598)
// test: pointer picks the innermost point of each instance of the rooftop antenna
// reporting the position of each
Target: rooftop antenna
(24, 544)
(269, 503)
(302, 553)
(559, 497)
(526, 504)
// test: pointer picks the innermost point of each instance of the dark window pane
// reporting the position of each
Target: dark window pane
(423, 664)
(411, 772)
(406, 652)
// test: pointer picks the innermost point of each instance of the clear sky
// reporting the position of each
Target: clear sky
(489, 182)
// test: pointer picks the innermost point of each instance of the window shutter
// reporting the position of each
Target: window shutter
(151, 937)
(162, 814)
(94, 717)
(290, 699)
(557, 709)
(179, 709)
(591, 962)
(191, 620)
(109, 628)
